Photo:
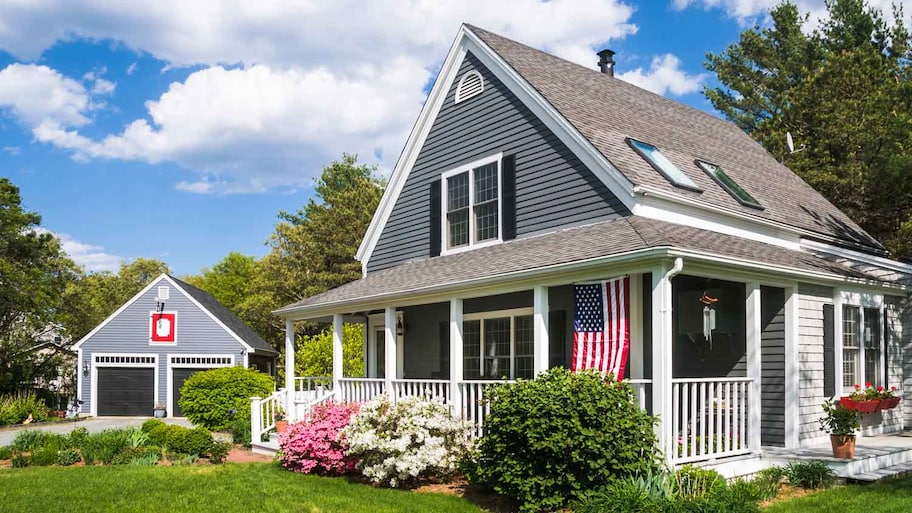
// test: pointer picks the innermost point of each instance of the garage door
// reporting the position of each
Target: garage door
(126, 391)
(178, 376)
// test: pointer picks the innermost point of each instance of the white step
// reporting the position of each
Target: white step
(884, 473)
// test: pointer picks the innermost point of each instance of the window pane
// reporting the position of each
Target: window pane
(497, 348)
(730, 186)
(850, 316)
(458, 192)
(486, 224)
(458, 228)
(665, 166)
(524, 338)
(486, 183)
(872, 342)
(471, 349)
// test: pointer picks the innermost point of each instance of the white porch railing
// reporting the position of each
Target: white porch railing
(710, 418)
(641, 392)
(312, 383)
(428, 388)
(359, 390)
(263, 413)
(475, 403)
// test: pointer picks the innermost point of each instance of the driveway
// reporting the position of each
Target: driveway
(93, 424)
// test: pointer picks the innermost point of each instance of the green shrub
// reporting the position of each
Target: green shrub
(29, 439)
(158, 435)
(624, 495)
(189, 441)
(549, 441)
(20, 460)
(6, 453)
(694, 482)
(151, 424)
(104, 446)
(213, 398)
(78, 437)
(44, 456)
(219, 452)
(68, 457)
(810, 474)
(241, 431)
(146, 459)
(15, 408)
(182, 459)
(768, 482)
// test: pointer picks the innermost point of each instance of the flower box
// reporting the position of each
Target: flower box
(888, 403)
(860, 406)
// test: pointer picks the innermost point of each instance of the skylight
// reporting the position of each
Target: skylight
(715, 172)
(663, 165)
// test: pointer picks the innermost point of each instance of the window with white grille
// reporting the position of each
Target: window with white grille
(471, 84)
(202, 360)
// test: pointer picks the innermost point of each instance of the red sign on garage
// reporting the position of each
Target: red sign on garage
(163, 327)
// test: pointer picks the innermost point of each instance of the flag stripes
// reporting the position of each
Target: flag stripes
(601, 326)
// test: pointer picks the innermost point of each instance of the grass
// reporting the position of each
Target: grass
(242, 488)
(890, 496)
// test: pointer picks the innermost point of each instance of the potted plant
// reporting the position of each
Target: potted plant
(862, 401)
(159, 411)
(280, 421)
(841, 423)
(888, 398)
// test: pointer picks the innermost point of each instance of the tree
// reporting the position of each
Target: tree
(229, 281)
(842, 90)
(91, 298)
(34, 271)
(313, 250)
(313, 353)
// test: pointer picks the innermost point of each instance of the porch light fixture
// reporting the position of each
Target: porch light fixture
(86, 365)
(400, 327)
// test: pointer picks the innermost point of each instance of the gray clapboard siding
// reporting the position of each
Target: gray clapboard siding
(553, 188)
(772, 351)
(811, 299)
(128, 332)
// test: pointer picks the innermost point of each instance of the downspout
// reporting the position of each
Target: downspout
(675, 269)
(662, 374)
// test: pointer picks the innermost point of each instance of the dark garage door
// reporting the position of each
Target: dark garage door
(126, 391)
(178, 376)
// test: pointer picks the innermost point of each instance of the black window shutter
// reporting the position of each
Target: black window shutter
(557, 339)
(885, 348)
(508, 169)
(434, 219)
(829, 352)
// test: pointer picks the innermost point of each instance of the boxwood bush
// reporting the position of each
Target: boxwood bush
(549, 441)
(213, 398)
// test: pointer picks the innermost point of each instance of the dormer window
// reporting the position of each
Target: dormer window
(471, 205)
(664, 166)
(736, 191)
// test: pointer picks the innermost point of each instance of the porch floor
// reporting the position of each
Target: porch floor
(876, 457)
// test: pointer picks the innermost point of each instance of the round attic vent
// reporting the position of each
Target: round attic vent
(471, 84)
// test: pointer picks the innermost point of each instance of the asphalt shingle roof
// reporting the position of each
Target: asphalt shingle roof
(227, 317)
(578, 244)
(606, 110)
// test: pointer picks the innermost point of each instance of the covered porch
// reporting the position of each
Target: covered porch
(709, 352)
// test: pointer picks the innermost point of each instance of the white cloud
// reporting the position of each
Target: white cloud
(131, 69)
(40, 95)
(664, 76)
(91, 258)
(12, 150)
(747, 12)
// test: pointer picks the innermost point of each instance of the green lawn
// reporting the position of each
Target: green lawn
(243, 488)
(891, 496)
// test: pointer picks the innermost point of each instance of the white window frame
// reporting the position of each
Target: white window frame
(495, 314)
(862, 301)
(444, 224)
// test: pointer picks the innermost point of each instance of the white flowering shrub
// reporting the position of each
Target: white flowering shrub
(399, 444)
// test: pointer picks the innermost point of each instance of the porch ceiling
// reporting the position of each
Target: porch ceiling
(631, 239)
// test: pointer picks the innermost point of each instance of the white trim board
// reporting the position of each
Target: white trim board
(93, 393)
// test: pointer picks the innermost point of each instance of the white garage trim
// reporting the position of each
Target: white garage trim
(192, 361)
(120, 360)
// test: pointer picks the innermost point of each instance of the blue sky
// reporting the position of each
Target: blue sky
(165, 132)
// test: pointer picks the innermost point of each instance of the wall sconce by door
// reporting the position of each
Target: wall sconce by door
(86, 365)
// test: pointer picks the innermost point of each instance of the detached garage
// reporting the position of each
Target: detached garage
(137, 359)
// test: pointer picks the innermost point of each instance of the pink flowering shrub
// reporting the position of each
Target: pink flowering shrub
(315, 444)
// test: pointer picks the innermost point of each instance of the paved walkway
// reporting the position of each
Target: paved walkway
(94, 424)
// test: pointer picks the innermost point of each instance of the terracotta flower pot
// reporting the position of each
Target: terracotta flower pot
(843, 446)
(889, 403)
(281, 426)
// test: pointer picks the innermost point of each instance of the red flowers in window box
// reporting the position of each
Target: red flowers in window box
(870, 399)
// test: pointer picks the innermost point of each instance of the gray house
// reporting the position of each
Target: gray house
(140, 356)
(751, 297)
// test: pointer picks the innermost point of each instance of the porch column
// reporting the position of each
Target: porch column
(456, 356)
(289, 367)
(661, 360)
(541, 343)
(792, 398)
(391, 356)
(337, 351)
(637, 365)
(754, 371)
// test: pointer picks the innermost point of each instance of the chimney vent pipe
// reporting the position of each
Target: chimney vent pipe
(606, 62)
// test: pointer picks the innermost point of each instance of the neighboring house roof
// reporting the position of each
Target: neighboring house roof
(217, 311)
(565, 248)
(607, 110)
(226, 317)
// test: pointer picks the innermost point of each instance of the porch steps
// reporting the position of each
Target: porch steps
(884, 473)
(269, 447)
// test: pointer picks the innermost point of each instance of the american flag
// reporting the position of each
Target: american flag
(601, 326)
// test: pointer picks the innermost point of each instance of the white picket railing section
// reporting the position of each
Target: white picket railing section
(475, 403)
(427, 388)
(359, 390)
(641, 391)
(264, 413)
(312, 383)
(710, 418)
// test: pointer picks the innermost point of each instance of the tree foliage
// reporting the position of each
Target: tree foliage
(843, 91)
(34, 271)
(313, 353)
